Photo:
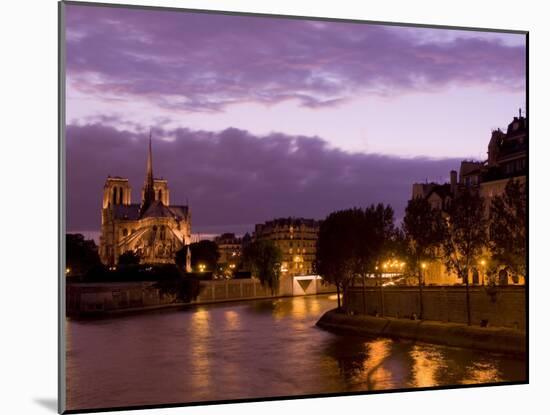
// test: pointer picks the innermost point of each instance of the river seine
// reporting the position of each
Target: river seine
(251, 350)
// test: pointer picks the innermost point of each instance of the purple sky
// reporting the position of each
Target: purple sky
(261, 117)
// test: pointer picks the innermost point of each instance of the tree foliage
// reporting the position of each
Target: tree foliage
(423, 229)
(465, 236)
(338, 247)
(465, 233)
(352, 242)
(202, 253)
(263, 258)
(129, 258)
(381, 238)
(82, 254)
(184, 288)
(508, 228)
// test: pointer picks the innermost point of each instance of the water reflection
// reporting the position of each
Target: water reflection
(482, 372)
(232, 319)
(427, 363)
(252, 350)
(200, 339)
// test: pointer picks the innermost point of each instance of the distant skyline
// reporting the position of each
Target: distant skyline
(261, 117)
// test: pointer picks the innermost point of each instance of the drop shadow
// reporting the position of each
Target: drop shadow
(48, 403)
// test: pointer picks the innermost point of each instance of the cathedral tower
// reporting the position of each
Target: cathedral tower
(116, 191)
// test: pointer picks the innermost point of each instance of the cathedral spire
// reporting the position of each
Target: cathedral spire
(149, 185)
(149, 179)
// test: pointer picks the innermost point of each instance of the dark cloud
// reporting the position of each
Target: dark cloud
(203, 62)
(233, 179)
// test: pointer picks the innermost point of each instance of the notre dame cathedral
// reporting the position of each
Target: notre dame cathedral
(153, 229)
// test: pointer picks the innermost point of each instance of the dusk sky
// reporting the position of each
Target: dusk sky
(255, 118)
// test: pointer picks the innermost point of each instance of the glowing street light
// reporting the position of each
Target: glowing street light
(202, 267)
(423, 265)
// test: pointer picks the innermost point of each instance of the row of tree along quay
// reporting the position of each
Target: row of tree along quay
(354, 246)
(259, 258)
(359, 244)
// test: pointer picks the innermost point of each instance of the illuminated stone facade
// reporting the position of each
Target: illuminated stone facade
(154, 229)
(297, 240)
(229, 248)
(506, 160)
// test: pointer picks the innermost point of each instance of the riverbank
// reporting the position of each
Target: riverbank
(99, 314)
(92, 300)
(492, 339)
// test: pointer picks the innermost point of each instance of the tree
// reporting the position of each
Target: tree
(82, 254)
(204, 256)
(465, 237)
(184, 289)
(340, 251)
(129, 258)
(424, 230)
(263, 259)
(381, 242)
(508, 228)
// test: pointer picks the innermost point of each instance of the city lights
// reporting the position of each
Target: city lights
(393, 264)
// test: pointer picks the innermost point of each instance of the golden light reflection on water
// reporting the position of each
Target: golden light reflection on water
(256, 349)
(374, 373)
(232, 319)
(482, 372)
(426, 364)
(200, 363)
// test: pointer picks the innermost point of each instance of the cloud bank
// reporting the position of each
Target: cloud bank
(204, 62)
(233, 179)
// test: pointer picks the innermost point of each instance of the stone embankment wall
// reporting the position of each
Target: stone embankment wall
(499, 307)
(493, 339)
(105, 298)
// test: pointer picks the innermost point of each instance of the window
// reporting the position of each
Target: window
(125, 232)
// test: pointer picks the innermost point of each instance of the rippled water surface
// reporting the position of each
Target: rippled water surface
(252, 350)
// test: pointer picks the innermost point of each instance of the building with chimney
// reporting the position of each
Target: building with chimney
(154, 229)
(506, 160)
